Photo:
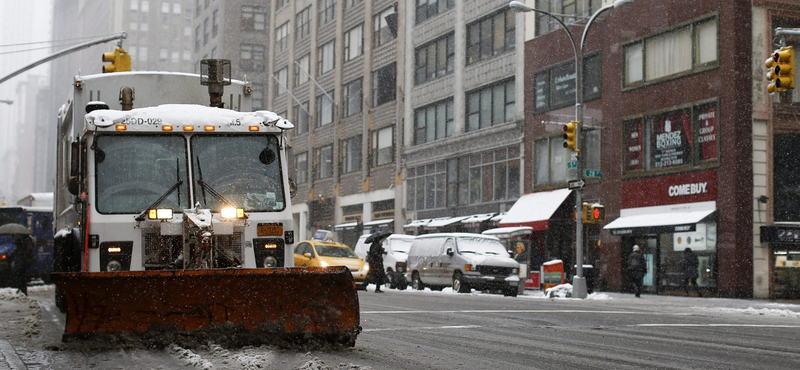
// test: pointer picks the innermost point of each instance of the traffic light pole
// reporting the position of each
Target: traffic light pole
(578, 282)
(118, 36)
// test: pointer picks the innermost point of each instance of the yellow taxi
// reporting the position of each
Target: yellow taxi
(319, 253)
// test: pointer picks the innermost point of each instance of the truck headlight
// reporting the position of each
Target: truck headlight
(231, 212)
(159, 214)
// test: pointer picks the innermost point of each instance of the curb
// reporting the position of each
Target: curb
(9, 357)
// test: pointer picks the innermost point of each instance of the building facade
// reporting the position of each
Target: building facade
(680, 140)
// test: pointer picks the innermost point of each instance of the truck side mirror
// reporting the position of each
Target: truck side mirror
(450, 252)
(73, 186)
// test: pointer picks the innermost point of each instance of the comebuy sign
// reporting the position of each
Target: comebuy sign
(670, 189)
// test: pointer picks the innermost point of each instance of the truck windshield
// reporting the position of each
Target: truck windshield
(133, 171)
(244, 170)
(481, 246)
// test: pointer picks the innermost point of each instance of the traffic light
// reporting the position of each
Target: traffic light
(120, 61)
(781, 70)
(593, 213)
(571, 136)
(598, 213)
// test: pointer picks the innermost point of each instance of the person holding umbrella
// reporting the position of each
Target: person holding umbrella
(376, 274)
(21, 259)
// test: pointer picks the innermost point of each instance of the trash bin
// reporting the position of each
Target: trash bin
(588, 275)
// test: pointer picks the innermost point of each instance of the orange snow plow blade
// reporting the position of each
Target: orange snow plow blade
(255, 305)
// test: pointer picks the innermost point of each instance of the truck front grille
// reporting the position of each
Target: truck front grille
(495, 270)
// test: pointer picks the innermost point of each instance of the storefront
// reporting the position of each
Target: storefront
(549, 214)
(784, 264)
(678, 212)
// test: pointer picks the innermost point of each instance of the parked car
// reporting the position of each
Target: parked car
(463, 261)
(394, 260)
(320, 253)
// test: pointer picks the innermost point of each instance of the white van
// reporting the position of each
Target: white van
(394, 261)
(463, 261)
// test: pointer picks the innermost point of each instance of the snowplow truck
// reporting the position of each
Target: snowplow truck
(173, 215)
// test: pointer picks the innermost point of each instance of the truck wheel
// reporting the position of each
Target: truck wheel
(510, 291)
(61, 303)
(402, 284)
(390, 278)
(416, 283)
(459, 285)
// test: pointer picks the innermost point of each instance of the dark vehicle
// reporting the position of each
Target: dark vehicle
(39, 221)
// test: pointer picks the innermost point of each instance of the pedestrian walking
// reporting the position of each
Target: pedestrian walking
(637, 268)
(376, 274)
(21, 261)
(690, 274)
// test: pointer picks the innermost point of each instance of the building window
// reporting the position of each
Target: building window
(145, 6)
(433, 122)
(258, 96)
(301, 70)
(281, 80)
(163, 54)
(384, 84)
(324, 111)
(427, 9)
(301, 166)
(282, 37)
(490, 106)
(197, 39)
(215, 23)
(567, 11)
(351, 3)
(325, 57)
(434, 59)
(426, 186)
(381, 33)
(351, 154)
(205, 31)
(303, 23)
(353, 96)
(493, 175)
(301, 117)
(254, 18)
(550, 161)
(165, 8)
(490, 36)
(198, 8)
(383, 146)
(251, 57)
(143, 54)
(175, 56)
(354, 42)
(281, 3)
(687, 49)
(672, 140)
(176, 9)
(324, 162)
(326, 11)
(554, 87)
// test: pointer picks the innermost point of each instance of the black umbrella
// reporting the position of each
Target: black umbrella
(378, 236)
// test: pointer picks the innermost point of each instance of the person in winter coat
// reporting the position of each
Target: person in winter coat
(376, 274)
(21, 261)
(637, 268)
(690, 267)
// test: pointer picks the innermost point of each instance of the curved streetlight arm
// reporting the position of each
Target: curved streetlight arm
(521, 7)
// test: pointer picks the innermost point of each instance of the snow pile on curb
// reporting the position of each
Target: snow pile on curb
(755, 311)
(33, 315)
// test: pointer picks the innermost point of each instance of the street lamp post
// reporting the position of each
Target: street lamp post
(578, 282)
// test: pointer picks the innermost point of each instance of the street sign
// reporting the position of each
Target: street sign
(576, 184)
(592, 173)
(572, 164)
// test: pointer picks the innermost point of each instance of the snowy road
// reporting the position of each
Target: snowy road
(444, 330)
